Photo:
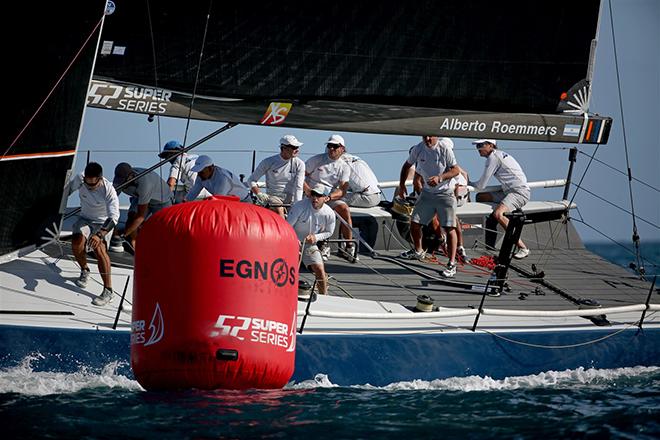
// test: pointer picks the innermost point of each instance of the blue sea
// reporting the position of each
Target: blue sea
(581, 403)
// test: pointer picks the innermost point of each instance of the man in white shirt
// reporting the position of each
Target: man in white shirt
(435, 162)
(329, 170)
(181, 178)
(148, 195)
(216, 180)
(313, 221)
(285, 175)
(363, 183)
(99, 213)
(515, 192)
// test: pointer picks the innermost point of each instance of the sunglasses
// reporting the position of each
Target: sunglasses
(290, 147)
(333, 146)
(91, 185)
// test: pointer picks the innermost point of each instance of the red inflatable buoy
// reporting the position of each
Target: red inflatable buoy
(214, 298)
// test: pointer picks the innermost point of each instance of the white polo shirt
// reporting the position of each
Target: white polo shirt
(181, 170)
(432, 162)
(505, 169)
(330, 173)
(306, 220)
(362, 179)
(284, 178)
(221, 183)
(97, 204)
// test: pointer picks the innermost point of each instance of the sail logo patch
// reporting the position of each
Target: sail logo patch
(276, 113)
(571, 130)
(131, 98)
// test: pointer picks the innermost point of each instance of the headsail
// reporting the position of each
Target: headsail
(50, 55)
(455, 68)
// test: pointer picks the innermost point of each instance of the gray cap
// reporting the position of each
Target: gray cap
(122, 171)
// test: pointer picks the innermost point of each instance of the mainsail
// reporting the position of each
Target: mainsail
(454, 68)
(49, 56)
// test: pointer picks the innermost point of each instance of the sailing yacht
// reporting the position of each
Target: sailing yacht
(416, 68)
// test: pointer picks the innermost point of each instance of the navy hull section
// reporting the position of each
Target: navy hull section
(383, 359)
(375, 359)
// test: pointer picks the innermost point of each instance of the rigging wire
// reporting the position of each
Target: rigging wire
(635, 236)
(617, 206)
(199, 68)
(622, 172)
(153, 55)
(623, 246)
(66, 70)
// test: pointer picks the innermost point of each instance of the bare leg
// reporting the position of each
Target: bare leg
(345, 213)
(459, 232)
(416, 233)
(103, 260)
(321, 278)
(78, 247)
(503, 221)
(498, 213)
(451, 243)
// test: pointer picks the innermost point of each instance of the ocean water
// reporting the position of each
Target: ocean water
(649, 250)
(580, 403)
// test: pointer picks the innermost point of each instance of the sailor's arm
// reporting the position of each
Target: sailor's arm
(339, 192)
(140, 215)
(448, 174)
(299, 182)
(403, 176)
(259, 171)
(74, 184)
(489, 170)
(195, 190)
(328, 228)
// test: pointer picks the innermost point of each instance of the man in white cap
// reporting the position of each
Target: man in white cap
(148, 195)
(435, 162)
(327, 169)
(285, 175)
(313, 221)
(515, 192)
(216, 180)
(182, 177)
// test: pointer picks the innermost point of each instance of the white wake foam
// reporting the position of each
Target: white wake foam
(548, 379)
(23, 380)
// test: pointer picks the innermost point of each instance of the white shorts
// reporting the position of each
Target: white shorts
(311, 255)
(87, 227)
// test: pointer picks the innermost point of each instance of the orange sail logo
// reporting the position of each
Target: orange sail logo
(276, 113)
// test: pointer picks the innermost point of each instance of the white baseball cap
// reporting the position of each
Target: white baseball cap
(290, 139)
(481, 141)
(321, 190)
(202, 162)
(336, 139)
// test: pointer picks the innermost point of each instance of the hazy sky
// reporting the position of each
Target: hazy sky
(131, 138)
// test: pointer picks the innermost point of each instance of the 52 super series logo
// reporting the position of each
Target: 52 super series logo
(128, 98)
(258, 330)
